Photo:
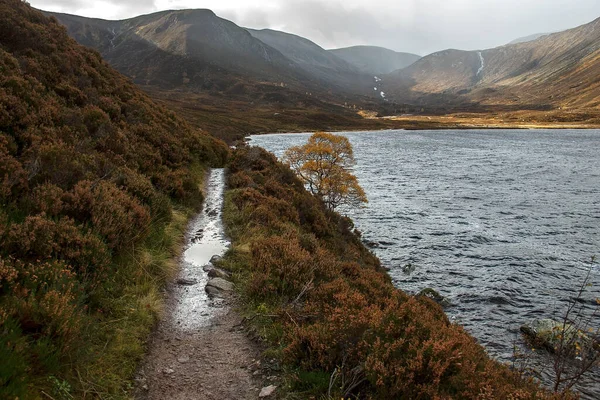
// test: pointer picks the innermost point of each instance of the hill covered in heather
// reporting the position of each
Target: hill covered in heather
(91, 172)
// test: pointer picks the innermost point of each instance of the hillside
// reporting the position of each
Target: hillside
(96, 181)
(375, 60)
(197, 51)
(185, 48)
(204, 66)
(556, 70)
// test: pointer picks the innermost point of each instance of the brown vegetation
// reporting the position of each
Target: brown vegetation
(328, 310)
(260, 109)
(89, 170)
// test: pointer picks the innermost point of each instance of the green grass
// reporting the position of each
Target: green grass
(120, 314)
(129, 306)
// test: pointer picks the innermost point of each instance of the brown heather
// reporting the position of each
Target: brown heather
(322, 302)
(91, 175)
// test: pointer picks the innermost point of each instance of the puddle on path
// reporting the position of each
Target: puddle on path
(193, 308)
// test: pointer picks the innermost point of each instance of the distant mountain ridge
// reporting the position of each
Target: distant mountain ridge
(196, 50)
(375, 60)
(529, 38)
(181, 48)
(316, 61)
(556, 70)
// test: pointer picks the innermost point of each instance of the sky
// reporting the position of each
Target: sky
(415, 26)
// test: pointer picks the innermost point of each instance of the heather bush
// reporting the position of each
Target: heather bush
(40, 238)
(281, 267)
(114, 214)
(13, 179)
(42, 300)
(47, 198)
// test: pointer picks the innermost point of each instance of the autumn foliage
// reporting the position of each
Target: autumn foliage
(89, 167)
(324, 166)
(330, 311)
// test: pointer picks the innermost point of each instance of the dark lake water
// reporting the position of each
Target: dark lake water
(503, 223)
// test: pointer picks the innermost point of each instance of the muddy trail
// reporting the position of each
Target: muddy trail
(200, 349)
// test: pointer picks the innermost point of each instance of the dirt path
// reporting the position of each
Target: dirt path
(200, 350)
(215, 362)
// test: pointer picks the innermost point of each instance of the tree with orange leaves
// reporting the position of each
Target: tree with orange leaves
(324, 166)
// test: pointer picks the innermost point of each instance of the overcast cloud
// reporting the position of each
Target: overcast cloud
(417, 26)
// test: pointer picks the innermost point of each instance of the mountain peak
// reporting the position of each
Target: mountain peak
(375, 60)
(192, 13)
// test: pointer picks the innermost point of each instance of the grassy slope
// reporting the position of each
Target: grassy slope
(322, 303)
(96, 185)
(231, 118)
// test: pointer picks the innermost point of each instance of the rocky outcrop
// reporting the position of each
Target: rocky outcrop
(435, 296)
(554, 335)
(219, 273)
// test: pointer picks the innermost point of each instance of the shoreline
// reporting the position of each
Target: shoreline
(434, 127)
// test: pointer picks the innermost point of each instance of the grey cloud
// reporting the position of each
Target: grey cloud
(422, 26)
(418, 26)
(123, 8)
(251, 18)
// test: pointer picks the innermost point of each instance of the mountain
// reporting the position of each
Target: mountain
(184, 48)
(375, 60)
(317, 62)
(196, 50)
(528, 38)
(221, 77)
(556, 70)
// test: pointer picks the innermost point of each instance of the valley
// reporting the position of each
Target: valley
(266, 80)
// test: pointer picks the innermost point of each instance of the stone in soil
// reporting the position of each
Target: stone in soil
(215, 259)
(267, 391)
(220, 284)
(219, 273)
(186, 282)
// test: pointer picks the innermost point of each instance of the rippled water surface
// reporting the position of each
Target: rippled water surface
(502, 223)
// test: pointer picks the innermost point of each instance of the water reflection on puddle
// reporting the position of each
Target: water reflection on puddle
(194, 309)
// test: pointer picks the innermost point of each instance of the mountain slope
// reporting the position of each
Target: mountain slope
(196, 50)
(317, 62)
(300, 50)
(193, 48)
(375, 60)
(560, 69)
(220, 77)
(90, 169)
